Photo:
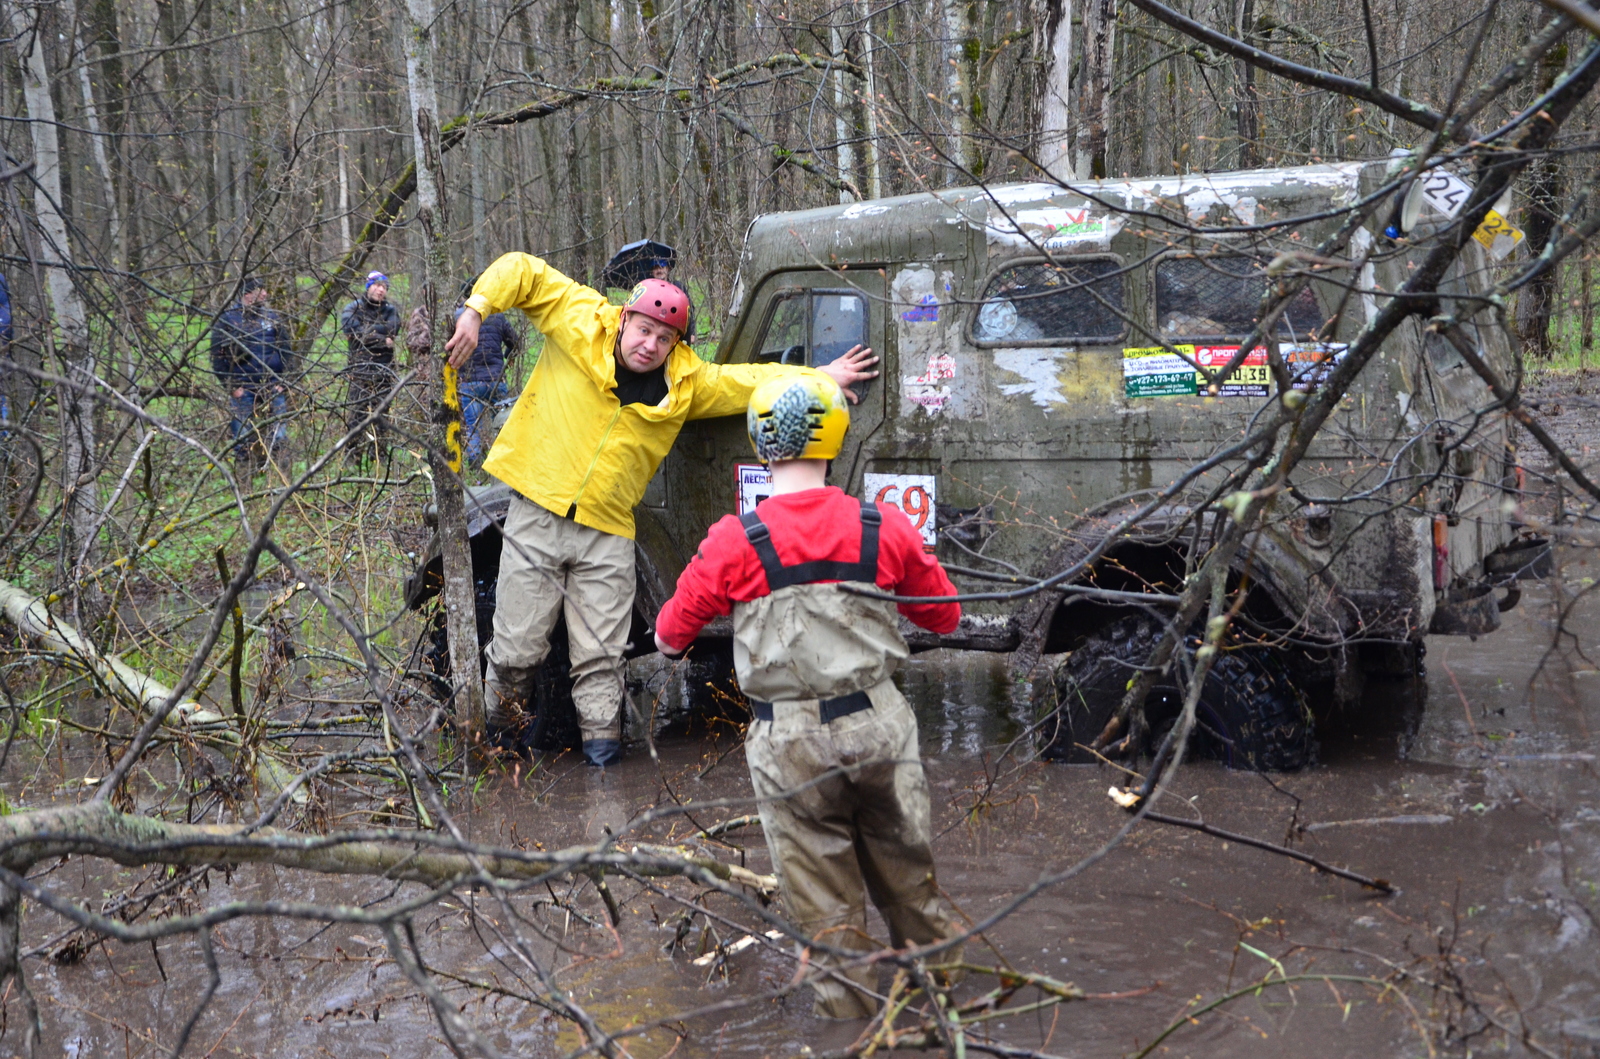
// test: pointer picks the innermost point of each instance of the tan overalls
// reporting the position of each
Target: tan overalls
(816, 663)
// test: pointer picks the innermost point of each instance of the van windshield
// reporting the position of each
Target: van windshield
(1217, 297)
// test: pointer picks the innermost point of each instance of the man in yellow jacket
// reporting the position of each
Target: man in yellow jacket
(601, 409)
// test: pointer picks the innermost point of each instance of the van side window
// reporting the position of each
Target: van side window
(1073, 301)
(813, 327)
(785, 338)
(838, 324)
(1217, 297)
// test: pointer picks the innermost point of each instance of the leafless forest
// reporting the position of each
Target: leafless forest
(222, 744)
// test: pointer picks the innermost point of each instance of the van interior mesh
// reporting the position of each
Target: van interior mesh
(1070, 301)
(1217, 297)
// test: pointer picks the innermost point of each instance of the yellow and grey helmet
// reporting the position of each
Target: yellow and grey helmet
(798, 417)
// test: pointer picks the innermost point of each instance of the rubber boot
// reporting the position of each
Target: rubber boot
(602, 752)
(505, 706)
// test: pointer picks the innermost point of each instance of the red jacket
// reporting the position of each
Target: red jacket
(808, 525)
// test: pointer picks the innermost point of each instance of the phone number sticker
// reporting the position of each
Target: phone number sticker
(1155, 372)
(1252, 378)
(912, 493)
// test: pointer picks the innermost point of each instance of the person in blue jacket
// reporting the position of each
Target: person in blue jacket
(483, 377)
(249, 353)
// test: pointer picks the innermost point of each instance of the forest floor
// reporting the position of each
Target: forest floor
(1473, 792)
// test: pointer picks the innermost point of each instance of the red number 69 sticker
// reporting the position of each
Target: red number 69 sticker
(912, 493)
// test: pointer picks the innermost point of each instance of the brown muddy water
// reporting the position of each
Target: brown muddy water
(1498, 868)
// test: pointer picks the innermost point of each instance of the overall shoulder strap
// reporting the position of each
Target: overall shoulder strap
(760, 538)
(871, 522)
(781, 576)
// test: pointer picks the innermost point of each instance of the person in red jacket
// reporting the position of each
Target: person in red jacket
(833, 746)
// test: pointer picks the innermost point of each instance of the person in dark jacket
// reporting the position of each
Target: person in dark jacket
(370, 324)
(249, 352)
(483, 377)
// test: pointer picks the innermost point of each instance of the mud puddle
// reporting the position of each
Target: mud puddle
(1485, 815)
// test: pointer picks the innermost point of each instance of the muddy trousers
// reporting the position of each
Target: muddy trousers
(549, 566)
(859, 833)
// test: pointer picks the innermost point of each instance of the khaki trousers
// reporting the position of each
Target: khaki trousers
(550, 565)
(864, 832)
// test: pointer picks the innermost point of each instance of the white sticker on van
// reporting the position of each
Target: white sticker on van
(925, 389)
(755, 485)
(1041, 368)
(912, 493)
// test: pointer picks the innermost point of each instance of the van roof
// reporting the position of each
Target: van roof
(1082, 216)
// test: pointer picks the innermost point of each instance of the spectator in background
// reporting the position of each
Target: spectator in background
(370, 324)
(249, 353)
(483, 377)
(637, 262)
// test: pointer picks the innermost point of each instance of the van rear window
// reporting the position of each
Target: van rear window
(1073, 301)
(1217, 297)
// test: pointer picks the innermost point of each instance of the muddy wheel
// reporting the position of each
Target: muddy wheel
(713, 691)
(1250, 715)
(1087, 688)
(555, 719)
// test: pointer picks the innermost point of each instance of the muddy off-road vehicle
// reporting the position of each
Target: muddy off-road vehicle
(1026, 404)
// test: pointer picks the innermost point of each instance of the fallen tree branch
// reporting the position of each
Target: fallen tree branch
(1383, 885)
(1512, 402)
(96, 829)
(144, 693)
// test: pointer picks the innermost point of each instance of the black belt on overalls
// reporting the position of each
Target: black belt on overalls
(781, 576)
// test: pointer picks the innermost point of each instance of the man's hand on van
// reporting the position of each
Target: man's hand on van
(462, 344)
(850, 369)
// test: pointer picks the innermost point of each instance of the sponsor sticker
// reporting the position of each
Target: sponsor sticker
(1252, 378)
(755, 485)
(912, 493)
(1153, 372)
(1310, 363)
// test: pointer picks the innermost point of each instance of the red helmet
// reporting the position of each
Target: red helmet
(660, 300)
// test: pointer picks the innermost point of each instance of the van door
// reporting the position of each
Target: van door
(799, 318)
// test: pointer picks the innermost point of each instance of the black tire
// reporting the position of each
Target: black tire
(1250, 715)
(1086, 689)
(713, 702)
(554, 725)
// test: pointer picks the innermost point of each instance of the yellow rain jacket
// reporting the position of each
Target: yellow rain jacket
(569, 440)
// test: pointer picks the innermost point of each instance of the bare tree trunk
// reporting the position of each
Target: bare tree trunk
(843, 127)
(1094, 115)
(868, 63)
(341, 118)
(1055, 92)
(97, 143)
(1536, 302)
(1586, 312)
(76, 355)
(444, 454)
(1248, 103)
(957, 93)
